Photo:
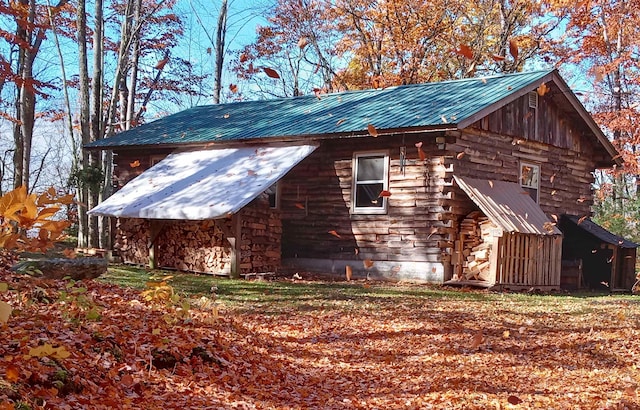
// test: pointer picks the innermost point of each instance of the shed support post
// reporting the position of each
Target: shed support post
(235, 242)
(156, 226)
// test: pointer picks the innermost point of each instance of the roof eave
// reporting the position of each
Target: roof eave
(279, 139)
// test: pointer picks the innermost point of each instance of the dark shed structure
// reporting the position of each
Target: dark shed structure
(604, 260)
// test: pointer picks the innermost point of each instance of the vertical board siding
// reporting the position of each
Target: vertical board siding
(530, 260)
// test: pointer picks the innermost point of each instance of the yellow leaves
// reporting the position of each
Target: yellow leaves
(368, 263)
(134, 164)
(372, 130)
(506, 334)
(5, 312)
(47, 350)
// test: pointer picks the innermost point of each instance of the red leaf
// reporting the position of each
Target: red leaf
(270, 72)
(514, 400)
(162, 63)
(477, 340)
(497, 58)
(334, 233)
(12, 374)
(542, 89)
(233, 88)
(384, 194)
(372, 130)
(466, 51)
(135, 164)
(581, 220)
(368, 263)
(243, 57)
(513, 49)
(299, 205)
(421, 154)
(460, 155)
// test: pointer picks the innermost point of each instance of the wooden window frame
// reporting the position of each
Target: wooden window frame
(154, 159)
(527, 187)
(275, 193)
(366, 210)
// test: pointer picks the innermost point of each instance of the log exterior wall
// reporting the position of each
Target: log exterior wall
(415, 238)
(321, 232)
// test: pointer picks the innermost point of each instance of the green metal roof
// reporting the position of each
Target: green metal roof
(445, 104)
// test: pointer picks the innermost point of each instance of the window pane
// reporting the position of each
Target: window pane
(367, 196)
(370, 169)
(529, 176)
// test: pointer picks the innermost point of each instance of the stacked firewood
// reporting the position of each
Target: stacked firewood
(131, 239)
(476, 246)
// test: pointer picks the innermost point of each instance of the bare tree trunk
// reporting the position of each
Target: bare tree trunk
(85, 232)
(220, 49)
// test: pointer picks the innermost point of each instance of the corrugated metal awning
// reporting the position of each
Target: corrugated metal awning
(587, 225)
(204, 184)
(508, 206)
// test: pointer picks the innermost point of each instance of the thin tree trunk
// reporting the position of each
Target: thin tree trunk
(85, 232)
(220, 49)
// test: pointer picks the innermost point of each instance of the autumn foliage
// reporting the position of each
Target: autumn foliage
(359, 345)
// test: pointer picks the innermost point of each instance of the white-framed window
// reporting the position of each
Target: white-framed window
(370, 178)
(273, 193)
(530, 179)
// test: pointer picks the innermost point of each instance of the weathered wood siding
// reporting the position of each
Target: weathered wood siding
(565, 174)
(404, 242)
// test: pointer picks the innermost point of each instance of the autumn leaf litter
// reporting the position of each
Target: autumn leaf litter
(382, 346)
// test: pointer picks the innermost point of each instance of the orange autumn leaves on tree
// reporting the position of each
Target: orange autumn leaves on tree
(355, 44)
(21, 212)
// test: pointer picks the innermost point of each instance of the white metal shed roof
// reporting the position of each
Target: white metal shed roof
(204, 184)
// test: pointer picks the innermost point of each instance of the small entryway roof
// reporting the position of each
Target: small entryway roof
(508, 206)
(203, 184)
(587, 225)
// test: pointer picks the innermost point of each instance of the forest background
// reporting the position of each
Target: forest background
(74, 71)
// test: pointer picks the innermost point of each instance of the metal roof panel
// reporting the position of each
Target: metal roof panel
(203, 184)
(508, 206)
(426, 105)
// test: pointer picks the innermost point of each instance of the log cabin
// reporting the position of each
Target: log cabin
(460, 182)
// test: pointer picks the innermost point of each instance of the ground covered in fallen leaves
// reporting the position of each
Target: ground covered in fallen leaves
(298, 345)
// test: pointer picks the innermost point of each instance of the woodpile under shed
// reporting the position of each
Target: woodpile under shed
(474, 248)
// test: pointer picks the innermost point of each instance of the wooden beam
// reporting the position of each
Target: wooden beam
(234, 237)
(155, 229)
